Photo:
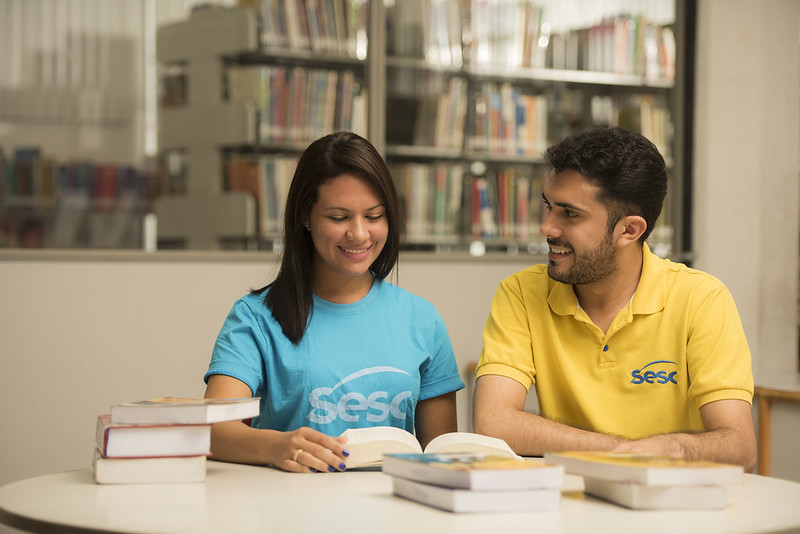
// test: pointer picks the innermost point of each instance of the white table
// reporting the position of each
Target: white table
(247, 499)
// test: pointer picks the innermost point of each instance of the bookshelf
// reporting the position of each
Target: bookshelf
(270, 80)
(49, 202)
(461, 97)
(482, 88)
(205, 212)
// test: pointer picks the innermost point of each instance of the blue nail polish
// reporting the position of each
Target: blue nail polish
(345, 452)
(313, 470)
(342, 466)
(331, 469)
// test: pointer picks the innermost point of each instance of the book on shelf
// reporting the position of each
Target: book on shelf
(483, 211)
(368, 445)
(183, 410)
(506, 121)
(462, 500)
(115, 440)
(163, 470)
(322, 26)
(267, 179)
(296, 104)
(432, 196)
(506, 34)
(643, 497)
(244, 174)
(646, 469)
(474, 471)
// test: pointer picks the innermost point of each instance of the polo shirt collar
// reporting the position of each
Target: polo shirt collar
(651, 293)
(650, 296)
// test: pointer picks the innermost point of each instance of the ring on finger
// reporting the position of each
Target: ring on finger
(296, 454)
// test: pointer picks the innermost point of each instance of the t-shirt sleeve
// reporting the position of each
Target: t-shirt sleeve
(440, 373)
(239, 348)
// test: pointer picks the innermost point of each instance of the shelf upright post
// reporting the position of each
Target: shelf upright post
(376, 76)
(207, 212)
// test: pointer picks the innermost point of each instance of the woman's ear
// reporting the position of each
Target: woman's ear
(630, 228)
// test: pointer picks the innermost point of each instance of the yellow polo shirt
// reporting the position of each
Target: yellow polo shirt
(678, 345)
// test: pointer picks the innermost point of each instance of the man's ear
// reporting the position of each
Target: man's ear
(630, 228)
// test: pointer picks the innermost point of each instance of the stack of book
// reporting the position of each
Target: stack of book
(164, 440)
(648, 482)
(476, 482)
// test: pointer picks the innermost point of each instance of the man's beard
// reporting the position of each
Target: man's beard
(587, 267)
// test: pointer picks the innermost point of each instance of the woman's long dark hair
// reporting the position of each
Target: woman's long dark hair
(290, 295)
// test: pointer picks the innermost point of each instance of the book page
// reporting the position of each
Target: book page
(469, 442)
(368, 445)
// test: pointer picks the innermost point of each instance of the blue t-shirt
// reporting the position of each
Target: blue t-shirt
(361, 364)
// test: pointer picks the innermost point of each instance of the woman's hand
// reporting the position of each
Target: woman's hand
(301, 450)
(308, 450)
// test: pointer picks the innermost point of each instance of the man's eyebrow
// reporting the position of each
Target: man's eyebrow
(565, 205)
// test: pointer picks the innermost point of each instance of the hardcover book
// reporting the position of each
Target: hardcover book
(641, 497)
(116, 440)
(188, 469)
(646, 469)
(181, 410)
(368, 445)
(461, 500)
(474, 471)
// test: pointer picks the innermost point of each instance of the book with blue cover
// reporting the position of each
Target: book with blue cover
(474, 471)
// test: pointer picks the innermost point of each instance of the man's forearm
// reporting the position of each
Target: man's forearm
(533, 435)
(724, 445)
(498, 412)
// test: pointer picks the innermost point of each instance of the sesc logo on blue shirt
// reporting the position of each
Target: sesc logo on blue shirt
(640, 376)
(374, 406)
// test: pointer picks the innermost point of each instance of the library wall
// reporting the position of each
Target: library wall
(747, 140)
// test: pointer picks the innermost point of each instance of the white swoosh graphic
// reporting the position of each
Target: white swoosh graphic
(368, 371)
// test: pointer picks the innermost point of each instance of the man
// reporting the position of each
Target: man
(627, 351)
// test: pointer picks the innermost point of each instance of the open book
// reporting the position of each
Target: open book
(368, 445)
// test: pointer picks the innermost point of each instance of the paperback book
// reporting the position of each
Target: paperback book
(646, 469)
(368, 445)
(472, 471)
(181, 410)
(642, 497)
(462, 500)
(116, 440)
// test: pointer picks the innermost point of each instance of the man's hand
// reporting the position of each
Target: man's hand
(729, 437)
(662, 445)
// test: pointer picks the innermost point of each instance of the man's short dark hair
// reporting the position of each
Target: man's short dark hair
(627, 167)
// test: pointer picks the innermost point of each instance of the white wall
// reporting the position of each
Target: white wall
(746, 167)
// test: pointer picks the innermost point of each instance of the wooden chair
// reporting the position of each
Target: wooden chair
(765, 397)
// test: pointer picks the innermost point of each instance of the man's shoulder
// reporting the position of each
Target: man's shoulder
(530, 283)
(680, 276)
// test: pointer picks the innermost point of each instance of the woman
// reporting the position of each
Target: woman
(329, 344)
